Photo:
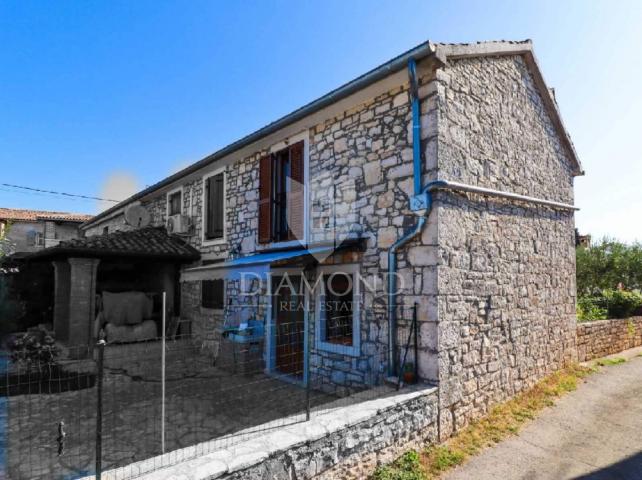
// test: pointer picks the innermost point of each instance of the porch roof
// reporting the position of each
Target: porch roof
(260, 263)
(150, 242)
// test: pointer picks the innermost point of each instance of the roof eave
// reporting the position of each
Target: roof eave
(419, 52)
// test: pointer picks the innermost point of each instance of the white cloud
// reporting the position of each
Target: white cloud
(118, 185)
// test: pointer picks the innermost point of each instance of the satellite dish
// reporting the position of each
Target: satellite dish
(137, 216)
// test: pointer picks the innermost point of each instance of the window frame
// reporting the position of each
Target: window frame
(275, 148)
(353, 350)
(168, 201)
(213, 241)
(212, 309)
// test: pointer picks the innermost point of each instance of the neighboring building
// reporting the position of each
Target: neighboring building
(335, 185)
(583, 241)
(33, 230)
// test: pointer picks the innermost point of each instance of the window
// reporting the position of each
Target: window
(281, 195)
(106, 230)
(174, 201)
(338, 310)
(214, 214)
(213, 294)
(40, 239)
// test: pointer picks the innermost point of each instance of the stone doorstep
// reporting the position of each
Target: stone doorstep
(188, 464)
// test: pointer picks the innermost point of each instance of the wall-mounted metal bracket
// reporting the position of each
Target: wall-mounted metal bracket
(420, 202)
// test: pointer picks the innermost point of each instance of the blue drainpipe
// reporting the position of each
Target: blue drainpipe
(420, 201)
(416, 124)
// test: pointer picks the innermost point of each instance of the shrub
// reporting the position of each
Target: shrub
(36, 348)
(622, 304)
(591, 308)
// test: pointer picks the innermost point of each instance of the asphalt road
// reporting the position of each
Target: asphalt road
(593, 433)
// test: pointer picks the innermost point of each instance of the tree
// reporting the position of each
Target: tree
(9, 307)
(606, 265)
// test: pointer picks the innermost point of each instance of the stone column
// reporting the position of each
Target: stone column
(61, 300)
(82, 300)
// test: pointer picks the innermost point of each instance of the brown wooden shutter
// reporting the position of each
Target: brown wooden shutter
(265, 199)
(218, 202)
(296, 203)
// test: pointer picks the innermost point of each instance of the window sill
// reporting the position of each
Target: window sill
(211, 311)
(352, 351)
(277, 245)
(214, 241)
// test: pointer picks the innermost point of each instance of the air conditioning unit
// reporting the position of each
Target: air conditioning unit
(179, 224)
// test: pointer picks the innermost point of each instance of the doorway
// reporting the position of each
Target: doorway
(289, 320)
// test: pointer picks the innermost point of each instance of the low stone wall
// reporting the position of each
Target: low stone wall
(606, 337)
(345, 439)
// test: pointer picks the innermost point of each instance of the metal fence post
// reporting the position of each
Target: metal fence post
(308, 381)
(416, 333)
(99, 408)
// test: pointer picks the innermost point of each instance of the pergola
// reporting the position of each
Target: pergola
(146, 258)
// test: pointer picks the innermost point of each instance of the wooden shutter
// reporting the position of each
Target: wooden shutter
(213, 294)
(219, 205)
(215, 219)
(296, 201)
(265, 199)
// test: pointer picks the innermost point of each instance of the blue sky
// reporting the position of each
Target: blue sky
(103, 98)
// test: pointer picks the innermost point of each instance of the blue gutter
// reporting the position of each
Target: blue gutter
(416, 203)
(416, 124)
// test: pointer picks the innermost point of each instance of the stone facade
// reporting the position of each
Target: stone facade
(494, 280)
(506, 273)
(21, 235)
(606, 337)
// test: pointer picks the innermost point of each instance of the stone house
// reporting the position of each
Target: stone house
(32, 230)
(442, 178)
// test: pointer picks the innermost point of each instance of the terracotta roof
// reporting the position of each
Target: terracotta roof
(150, 242)
(34, 215)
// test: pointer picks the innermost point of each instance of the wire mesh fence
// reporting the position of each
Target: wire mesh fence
(132, 408)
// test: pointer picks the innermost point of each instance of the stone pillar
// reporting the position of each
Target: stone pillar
(61, 300)
(82, 300)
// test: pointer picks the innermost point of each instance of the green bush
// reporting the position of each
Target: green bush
(622, 304)
(35, 347)
(606, 264)
(591, 308)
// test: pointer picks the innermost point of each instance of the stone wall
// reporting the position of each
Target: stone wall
(21, 234)
(606, 337)
(360, 179)
(506, 274)
(342, 440)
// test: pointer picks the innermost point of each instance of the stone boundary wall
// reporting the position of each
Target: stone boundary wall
(606, 337)
(343, 440)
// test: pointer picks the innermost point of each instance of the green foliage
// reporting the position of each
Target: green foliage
(406, 467)
(608, 304)
(607, 362)
(589, 309)
(10, 309)
(36, 348)
(606, 264)
(446, 457)
(622, 304)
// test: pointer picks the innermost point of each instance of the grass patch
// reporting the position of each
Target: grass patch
(605, 362)
(502, 421)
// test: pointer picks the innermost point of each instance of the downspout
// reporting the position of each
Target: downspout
(420, 201)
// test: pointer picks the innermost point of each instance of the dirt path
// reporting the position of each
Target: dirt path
(594, 433)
